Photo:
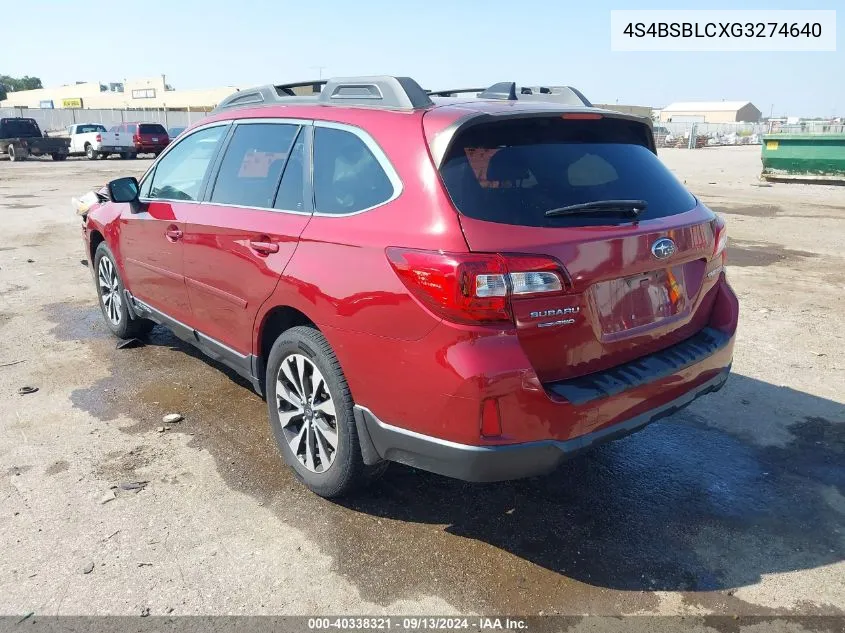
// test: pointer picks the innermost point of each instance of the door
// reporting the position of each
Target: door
(240, 239)
(151, 237)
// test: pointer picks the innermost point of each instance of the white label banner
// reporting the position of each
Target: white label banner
(723, 30)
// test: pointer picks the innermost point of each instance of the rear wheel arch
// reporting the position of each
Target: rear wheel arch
(276, 321)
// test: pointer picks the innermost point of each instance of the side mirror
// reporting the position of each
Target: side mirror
(124, 189)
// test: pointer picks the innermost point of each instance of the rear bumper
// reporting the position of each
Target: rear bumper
(148, 148)
(508, 461)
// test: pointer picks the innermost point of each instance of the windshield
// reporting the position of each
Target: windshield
(22, 128)
(514, 171)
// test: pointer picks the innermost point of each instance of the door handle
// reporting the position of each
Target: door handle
(173, 234)
(264, 247)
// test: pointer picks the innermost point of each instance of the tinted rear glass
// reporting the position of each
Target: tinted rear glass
(84, 129)
(23, 128)
(151, 128)
(514, 171)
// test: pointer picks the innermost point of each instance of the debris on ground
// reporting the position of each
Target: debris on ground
(30, 261)
(88, 568)
(172, 418)
(14, 362)
(160, 429)
(134, 485)
(145, 612)
(27, 389)
(145, 564)
(109, 496)
(129, 343)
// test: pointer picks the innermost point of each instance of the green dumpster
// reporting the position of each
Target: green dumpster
(807, 157)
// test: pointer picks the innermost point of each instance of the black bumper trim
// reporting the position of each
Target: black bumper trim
(511, 461)
(640, 371)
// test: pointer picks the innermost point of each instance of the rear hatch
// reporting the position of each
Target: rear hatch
(152, 134)
(635, 275)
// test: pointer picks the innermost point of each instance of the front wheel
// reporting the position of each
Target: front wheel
(112, 299)
(14, 155)
(311, 414)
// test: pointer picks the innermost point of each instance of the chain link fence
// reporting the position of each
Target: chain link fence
(58, 120)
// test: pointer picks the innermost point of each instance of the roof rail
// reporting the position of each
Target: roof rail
(385, 91)
(508, 91)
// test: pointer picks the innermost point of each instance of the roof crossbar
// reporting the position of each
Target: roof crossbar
(453, 92)
(508, 91)
(384, 91)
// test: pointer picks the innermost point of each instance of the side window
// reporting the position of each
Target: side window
(250, 171)
(179, 174)
(347, 176)
(291, 196)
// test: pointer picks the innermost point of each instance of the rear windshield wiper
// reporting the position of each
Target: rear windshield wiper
(634, 207)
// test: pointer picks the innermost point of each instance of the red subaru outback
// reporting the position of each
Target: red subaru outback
(479, 287)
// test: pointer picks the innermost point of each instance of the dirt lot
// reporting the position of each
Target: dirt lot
(735, 505)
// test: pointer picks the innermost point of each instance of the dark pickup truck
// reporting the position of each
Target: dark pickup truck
(21, 138)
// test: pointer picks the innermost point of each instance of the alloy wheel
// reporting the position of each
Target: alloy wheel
(110, 290)
(307, 413)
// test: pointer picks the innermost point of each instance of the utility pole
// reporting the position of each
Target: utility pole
(319, 70)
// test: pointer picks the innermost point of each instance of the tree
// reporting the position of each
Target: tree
(14, 84)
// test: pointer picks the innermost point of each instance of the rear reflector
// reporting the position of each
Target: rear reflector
(491, 424)
(474, 287)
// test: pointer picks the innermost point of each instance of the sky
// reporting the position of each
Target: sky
(440, 43)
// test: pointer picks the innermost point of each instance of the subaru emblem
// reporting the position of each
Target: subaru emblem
(663, 248)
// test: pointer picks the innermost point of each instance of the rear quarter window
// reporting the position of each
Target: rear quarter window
(513, 171)
(348, 177)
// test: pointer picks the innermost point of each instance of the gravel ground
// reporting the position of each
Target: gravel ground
(734, 505)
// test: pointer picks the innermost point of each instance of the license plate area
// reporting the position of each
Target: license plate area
(644, 299)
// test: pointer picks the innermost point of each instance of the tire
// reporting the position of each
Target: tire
(90, 152)
(124, 155)
(113, 304)
(13, 155)
(58, 156)
(132, 155)
(327, 472)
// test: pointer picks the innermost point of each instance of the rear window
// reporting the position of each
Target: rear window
(151, 128)
(513, 171)
(23, 128)
(84, 129)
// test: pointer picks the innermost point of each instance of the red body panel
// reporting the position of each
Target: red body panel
(152, 260)
(408, 366)
(227, 274)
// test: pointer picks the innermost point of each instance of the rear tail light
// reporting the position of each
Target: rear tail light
(99, 138)
(136, 138)
(474, 287)
(721, 239)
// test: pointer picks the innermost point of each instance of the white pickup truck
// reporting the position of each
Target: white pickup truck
(92, 140)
